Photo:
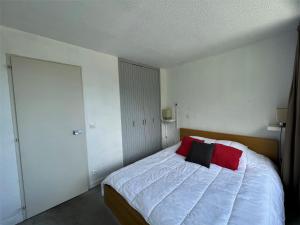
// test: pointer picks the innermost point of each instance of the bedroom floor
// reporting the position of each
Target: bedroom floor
(89, 209)
(86, 209)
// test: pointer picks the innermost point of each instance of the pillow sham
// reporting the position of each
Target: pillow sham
(200, 153)
(206, 140)
(186, 144)
(226, 156)
(223, 142)
(233, 144)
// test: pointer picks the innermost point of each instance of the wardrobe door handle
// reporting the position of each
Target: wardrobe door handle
(145, 121)
(153, 120)
(133, 123)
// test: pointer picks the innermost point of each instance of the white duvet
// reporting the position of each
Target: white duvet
(167, 190)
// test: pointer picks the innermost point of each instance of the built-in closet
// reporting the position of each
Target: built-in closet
(140, 110)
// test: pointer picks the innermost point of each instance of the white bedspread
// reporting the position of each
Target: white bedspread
(167, 190)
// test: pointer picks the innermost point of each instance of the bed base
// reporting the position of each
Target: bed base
(129, 216)
(125, 214)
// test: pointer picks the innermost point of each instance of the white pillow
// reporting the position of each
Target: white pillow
(206, 140)
(239, 146)
(233, 144)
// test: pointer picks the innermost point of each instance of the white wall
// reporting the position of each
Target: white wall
(10, 201)
(101, 101)
(237, 91)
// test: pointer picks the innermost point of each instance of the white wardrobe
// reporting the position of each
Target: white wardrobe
(140, 110)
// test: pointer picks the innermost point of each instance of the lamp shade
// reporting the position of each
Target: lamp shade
(281, 115)
(167, 113)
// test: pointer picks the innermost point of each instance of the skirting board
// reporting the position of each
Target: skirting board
(14, 219)
(96, 182)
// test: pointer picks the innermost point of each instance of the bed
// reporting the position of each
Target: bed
(164, 189)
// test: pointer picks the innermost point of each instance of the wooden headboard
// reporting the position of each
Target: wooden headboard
(264, 146)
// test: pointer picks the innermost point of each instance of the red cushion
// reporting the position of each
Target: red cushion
(186, 145)
(226, 156)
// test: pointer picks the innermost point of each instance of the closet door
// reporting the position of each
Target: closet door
(132, 112)
(151, 100)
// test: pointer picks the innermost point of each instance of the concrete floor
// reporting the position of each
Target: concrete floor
(89, 209)
(86, 209)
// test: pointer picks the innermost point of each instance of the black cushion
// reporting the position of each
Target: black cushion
(200, 153)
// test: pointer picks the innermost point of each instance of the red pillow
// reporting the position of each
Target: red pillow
(226, 156)
(186, 145)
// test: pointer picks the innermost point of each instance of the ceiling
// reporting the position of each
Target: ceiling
(159, 33)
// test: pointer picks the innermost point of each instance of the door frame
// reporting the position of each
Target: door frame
(15, 125)
(16, 134)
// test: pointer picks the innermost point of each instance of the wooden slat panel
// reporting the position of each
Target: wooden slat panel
(151, 95)
(132, 112)
(264, 146)
(140, 101)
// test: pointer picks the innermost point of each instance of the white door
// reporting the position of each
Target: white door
(50, 123)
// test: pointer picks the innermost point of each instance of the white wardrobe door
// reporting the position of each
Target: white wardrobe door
(49, 107)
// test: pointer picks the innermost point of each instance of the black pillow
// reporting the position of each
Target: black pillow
(200, 153)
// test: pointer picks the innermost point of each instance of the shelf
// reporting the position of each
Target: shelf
(274, 127)
(168, 121)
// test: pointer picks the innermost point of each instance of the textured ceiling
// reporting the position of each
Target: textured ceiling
(160, 33)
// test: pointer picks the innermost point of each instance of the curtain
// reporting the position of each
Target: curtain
(290, 167)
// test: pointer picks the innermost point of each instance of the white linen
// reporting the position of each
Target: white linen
(167, 190)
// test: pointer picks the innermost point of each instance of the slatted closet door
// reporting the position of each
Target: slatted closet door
(140, 111)
(131, 106)
(151, 96)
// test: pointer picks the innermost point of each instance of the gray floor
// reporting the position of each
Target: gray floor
(89, 209)
(86, 209)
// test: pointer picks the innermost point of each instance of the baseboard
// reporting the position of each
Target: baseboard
(96, 182)
(12, 220)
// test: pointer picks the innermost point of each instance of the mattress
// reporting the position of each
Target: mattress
(167, 190)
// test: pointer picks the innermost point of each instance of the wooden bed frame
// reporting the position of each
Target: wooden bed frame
(129, 216)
